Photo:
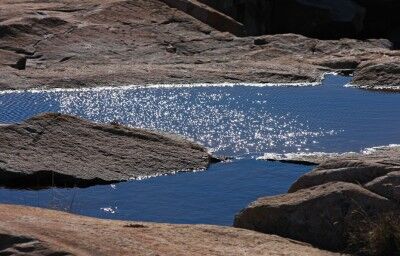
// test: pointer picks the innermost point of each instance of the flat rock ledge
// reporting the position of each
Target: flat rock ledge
(323, 205)
(388, 154)
(34, 231)
(61, 150)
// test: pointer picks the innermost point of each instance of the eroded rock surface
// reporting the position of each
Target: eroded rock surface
(62, 150)
(387, 186)
(324, 204)
(90, 43)
(379, 74)
(16, 244)
(318, 215)
(353, 171)
(355, 168)
(46, 232)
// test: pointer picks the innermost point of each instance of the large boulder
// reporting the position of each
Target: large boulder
(358, 168)
(62, 150)
(327, 205)
(33, 231)
(387, 186)
(320, 215)
(381, 73)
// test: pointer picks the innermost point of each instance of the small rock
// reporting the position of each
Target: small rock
(171, 48)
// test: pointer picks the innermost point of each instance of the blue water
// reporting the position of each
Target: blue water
(242, 121)
(238, 120)
(211, 197)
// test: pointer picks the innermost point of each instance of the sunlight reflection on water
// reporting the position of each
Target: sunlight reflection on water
(227, 121)
(241, 120)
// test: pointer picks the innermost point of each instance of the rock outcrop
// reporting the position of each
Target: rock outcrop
(318, 215)
(379, 74)
(208, 15)
(71, 43)
(353, 171)
(387, 186)
(62, 150)
(33, 231)
(323, 205)
(354, 168)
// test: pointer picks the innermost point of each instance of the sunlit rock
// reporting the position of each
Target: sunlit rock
(62, 150)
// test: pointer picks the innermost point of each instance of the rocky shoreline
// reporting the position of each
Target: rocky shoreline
(65, 151)
(114, 43)
(319, 209)
(97, 43)
(323, 205)
(317, 158)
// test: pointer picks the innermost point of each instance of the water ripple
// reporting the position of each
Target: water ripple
(229, 121)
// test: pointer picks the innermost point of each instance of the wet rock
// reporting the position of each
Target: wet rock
(387, 155)
(315, 158)
(62, 150)
(318, 215)
(46, 232)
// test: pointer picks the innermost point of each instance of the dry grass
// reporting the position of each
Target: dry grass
(376, 236)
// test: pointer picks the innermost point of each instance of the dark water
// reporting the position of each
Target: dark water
(242, 121)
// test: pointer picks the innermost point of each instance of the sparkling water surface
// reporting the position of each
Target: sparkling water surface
(241, 121)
